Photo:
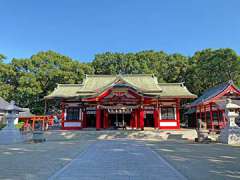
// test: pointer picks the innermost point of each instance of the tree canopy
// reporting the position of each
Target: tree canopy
(28, 80)
(32, 79)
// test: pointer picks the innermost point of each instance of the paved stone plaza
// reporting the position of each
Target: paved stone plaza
(126, 158)
(39, 161)
(118, 159)
(200, 161)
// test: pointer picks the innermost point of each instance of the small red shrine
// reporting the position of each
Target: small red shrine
(209, 108)
(105, 101)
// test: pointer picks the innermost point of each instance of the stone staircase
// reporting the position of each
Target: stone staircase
(182, 134)
(147, 134)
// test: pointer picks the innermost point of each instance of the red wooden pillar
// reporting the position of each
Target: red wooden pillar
(105, 120)
(200, 111)
(33, 124)
(156, 118)
(141, 118)
(211, 117)
(136, 118)
(62, 115)
(178, 113)
(98, 118)
(218, 116)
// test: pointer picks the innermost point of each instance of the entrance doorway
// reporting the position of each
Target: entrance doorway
(149, 120)
(117, 118)
(91, 120)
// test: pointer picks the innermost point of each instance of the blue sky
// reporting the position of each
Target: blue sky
(83, 28)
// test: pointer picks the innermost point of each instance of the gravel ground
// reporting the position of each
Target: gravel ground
(200, 161)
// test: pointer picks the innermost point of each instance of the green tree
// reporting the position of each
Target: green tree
(6, 75)
(174, 68)
(167, 68)
(27, 81)
(38, 76)
(210, 67)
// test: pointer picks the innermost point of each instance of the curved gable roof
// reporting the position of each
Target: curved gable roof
(213, 92)
(65, 91)
(145, 83)
(175, 90)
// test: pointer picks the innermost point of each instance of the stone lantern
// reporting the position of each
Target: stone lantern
(231, 133)
(10, 134)
(202, 132)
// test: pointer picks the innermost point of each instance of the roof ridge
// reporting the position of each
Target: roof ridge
(68, 85)
(138, 75)
(99, 75)
(170, 83)
(117, 79)
(217, 86)
(213, 91)
(115, 75)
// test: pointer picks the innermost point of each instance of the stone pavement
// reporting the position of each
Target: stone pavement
(118, 159)
(39, 161)
(196, 161)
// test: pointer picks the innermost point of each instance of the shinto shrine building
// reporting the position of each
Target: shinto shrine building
(106, 101)
(210, 106)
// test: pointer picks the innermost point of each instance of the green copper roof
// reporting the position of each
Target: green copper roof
(145, 83)
(65, 91)
(174, 90)
(94, 82)
(213, 92)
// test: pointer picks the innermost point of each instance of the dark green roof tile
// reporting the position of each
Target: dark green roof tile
(145, 83)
